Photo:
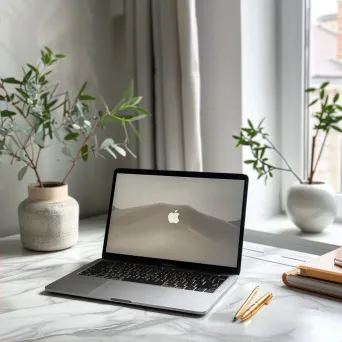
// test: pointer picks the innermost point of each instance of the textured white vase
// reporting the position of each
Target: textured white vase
(311, 207)
(48, 218)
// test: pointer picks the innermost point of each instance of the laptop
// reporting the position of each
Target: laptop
(173, 241)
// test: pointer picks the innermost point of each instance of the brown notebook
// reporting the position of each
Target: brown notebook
(294, 279)
(323, 267)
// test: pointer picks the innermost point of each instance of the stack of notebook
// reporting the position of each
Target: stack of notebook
(319, 275)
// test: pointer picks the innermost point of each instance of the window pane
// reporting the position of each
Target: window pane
(326, 65)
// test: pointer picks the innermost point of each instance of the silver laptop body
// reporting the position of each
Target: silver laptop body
(173, 241)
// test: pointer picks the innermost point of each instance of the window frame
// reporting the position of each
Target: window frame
(292, 85)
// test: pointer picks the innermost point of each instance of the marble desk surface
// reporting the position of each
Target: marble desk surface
(27, 313)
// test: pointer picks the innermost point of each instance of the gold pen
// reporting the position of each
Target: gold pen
(253, 309)
(243, 308)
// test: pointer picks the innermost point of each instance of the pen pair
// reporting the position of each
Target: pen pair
(247, 311)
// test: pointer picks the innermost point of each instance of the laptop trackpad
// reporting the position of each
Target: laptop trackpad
(128, 292)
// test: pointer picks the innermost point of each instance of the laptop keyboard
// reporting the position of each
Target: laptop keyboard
(161, 276)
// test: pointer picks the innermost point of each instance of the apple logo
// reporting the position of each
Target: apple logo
(173, 217)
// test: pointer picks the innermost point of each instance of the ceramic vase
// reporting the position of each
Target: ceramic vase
(311, 207)
(48, 218)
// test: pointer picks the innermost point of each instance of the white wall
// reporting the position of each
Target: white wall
(260, 96)
(85, 31)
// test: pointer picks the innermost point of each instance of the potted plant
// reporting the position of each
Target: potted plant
(310, 204)
(34, 113)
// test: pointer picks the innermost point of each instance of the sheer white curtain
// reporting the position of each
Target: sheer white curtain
(162, 53)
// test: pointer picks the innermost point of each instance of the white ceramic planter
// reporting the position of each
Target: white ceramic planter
(48, 218)
(311, 207)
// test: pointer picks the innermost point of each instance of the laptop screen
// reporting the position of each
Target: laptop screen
(185, 219)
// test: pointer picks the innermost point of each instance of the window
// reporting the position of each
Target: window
(312, 46)
(325, 64)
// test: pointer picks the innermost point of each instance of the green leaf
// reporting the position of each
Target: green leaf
(244, 143)
(111, 152)
(9, 98)
(321, 94)
(129, 91)
(79, 109)
(39, 137)
(59, 55)
(87, 98)
(336, 128)
(106, 143)
(261, 122)
(247, 130)
(119, 149)
(313, 102)
(71, 136)
(10, 80)
(339, 107)
(84, 151)
(139, 117)
(33, 68)
(135, 131)
(66, 151)
(45, 57)
(250, 124)
(324, 85)
(87, 126)
(249, 161)
(126, 117)
(262, 152)
(336, 97)
(122, 118)
(27, 76)
(48, 73)
(22, 93)
(75, 126)
(134, 100)
(53, 61)
(2, 98)
(310, 90)
(51, 104)
(22, 172)
(130, 152)
(48, 50)
(236, 137)
(42, 79)
(6, 113)
(142, 111)
(81, 90)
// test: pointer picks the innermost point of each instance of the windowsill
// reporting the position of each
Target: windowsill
(279, 231)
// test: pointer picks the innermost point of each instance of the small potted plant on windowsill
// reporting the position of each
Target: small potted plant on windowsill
(33, 113)
(310, 204)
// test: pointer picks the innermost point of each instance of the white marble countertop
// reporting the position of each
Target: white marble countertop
(29, 314)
